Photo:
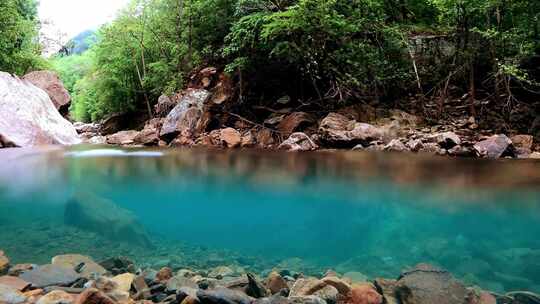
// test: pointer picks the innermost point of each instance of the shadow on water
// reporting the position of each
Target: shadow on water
(370, 213)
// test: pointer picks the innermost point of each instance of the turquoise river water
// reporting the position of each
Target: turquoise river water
(374, 214)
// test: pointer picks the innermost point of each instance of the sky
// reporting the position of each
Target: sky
(71, 17)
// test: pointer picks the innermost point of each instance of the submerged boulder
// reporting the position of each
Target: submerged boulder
(49, 82)
(28, 117)
(80, 263)
(89, 212)
(426, 284)
(49, 275)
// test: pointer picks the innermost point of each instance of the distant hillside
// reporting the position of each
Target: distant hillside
(80, 43)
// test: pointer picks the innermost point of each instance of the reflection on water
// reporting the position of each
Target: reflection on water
(371, 213)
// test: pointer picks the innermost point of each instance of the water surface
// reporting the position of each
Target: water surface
(376, 214)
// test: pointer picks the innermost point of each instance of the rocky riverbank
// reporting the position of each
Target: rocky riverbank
(205, 116)
(78, 279)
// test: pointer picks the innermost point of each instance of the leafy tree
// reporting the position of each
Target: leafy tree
(19, 51)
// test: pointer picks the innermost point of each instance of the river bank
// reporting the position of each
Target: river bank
(75, 278)
(206, 115)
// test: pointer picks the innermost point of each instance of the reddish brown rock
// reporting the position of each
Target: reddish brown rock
(480, 297)
(248, 140)
(122, 137)
(265, 138)
(523, 144)
(164, 274)
(14, 282)
(149, 136)
(231, 137)
(17, 269)
(185, 115)
(49, 82)
(164, 105)
(363, 294)
(56, 297)
(93, 296)
(343, 287)
(426, 284)
(294, 122)
(223, 90)
(275, 282)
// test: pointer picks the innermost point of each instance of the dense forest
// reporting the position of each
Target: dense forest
(317, 52)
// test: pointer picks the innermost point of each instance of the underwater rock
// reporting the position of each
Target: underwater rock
(426, 284)
(178, 282)
(275, 282)
(306, 287)
(220, 272)
(10, 295)
(56, 297)
(255, 288)
(89, 212)
(80, 263)
(14, 282)
(480, 297)
(388, 290)
(343, 287)
(355, 277)
(93, 296)
(306, 300)
(164, 274)
(49, 275)
(328, 293)
(17, 269)
(118, 265)
(124, 281)
(223, 296)
(4, 263)
(363, 294)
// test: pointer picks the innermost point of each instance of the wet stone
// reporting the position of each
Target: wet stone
(223, 296)
(48, 275)
(427, 285)
(10, 295)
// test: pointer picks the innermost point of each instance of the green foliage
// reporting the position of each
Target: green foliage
(341, 45)
(19, 50)
(310, 49)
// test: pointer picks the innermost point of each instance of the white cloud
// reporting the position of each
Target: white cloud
(71, 17)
